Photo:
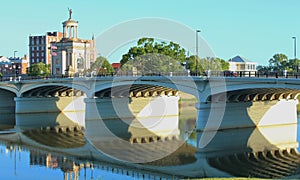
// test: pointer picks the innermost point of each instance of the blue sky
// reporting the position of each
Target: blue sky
(255, 29)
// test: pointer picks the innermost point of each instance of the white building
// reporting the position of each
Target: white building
(239, 63)
(71, 55)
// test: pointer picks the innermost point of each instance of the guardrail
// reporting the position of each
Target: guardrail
(237, 74)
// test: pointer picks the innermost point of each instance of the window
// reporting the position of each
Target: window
(38, 48)
(32, 54)
(57, 70)
(242, 67)
(32, 60)
(37, 59)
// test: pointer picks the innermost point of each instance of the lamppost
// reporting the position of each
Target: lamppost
(295, 53)
(15, 64)
(197, 52)
(15, 54)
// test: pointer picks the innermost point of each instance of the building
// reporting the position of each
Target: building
(5, 66)
(239, 63)
(72, 55)
(116, 66)
(13, 66)
(20, 64)
(39, 47)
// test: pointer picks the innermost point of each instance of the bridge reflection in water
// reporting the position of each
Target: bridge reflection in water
(264, 152)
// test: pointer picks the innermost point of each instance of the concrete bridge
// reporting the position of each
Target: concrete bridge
(222, 102)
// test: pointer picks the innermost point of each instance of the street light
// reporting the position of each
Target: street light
(197, 52)
(15, 54)
(295, 53)
(15, 63)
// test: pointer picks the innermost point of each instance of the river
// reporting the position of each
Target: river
(31, 152)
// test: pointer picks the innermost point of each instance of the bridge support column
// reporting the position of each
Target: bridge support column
(7, 104)
(246, 114)
(36, 105)
(48, 104)
(143, 107)
(107, 108)
(143, 119)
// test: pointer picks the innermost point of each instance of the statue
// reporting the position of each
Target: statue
(70, 13)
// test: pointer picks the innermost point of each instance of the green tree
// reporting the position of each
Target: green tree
(152, 64)
(214, 64)
(263, 69)
(102, 66)
(279, 62)
(148, 56)
(293, 65)
(39, 69)
(191, 64)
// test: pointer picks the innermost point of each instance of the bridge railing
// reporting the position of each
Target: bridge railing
(236, 74)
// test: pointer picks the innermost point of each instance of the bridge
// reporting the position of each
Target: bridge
(256, 101)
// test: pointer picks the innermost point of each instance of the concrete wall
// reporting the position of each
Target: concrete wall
(48, 105)
(246, 114)
(7, 104)
(115, 108)
(133, 118)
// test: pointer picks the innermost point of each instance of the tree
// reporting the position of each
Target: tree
(263, 69)
(278, 62)
(149, 55)
(102, 66)
(39, 69)
(214, 64)
(149, 64)
(191, 64)
(293, 65)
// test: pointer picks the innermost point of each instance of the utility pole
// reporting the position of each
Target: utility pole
(197, 69)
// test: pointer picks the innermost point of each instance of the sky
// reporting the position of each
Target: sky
(254, 29)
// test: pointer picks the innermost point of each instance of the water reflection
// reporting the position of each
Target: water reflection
(7, 121)
(265, 152)
(43, 120)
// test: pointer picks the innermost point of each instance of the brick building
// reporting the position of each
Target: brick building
(39, 47)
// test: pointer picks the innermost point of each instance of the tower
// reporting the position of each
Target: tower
(70, 28)
(72, 55)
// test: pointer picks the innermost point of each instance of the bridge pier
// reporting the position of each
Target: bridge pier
(140, 120)
(36, 105)
(246, 114)
(7, 104)
(48, 104)
(107, 108)
(128, 108)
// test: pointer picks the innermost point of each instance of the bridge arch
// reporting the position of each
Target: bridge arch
(186, 85)
(241, 84)
(10, 89)
(50, 89)
(257, 94)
